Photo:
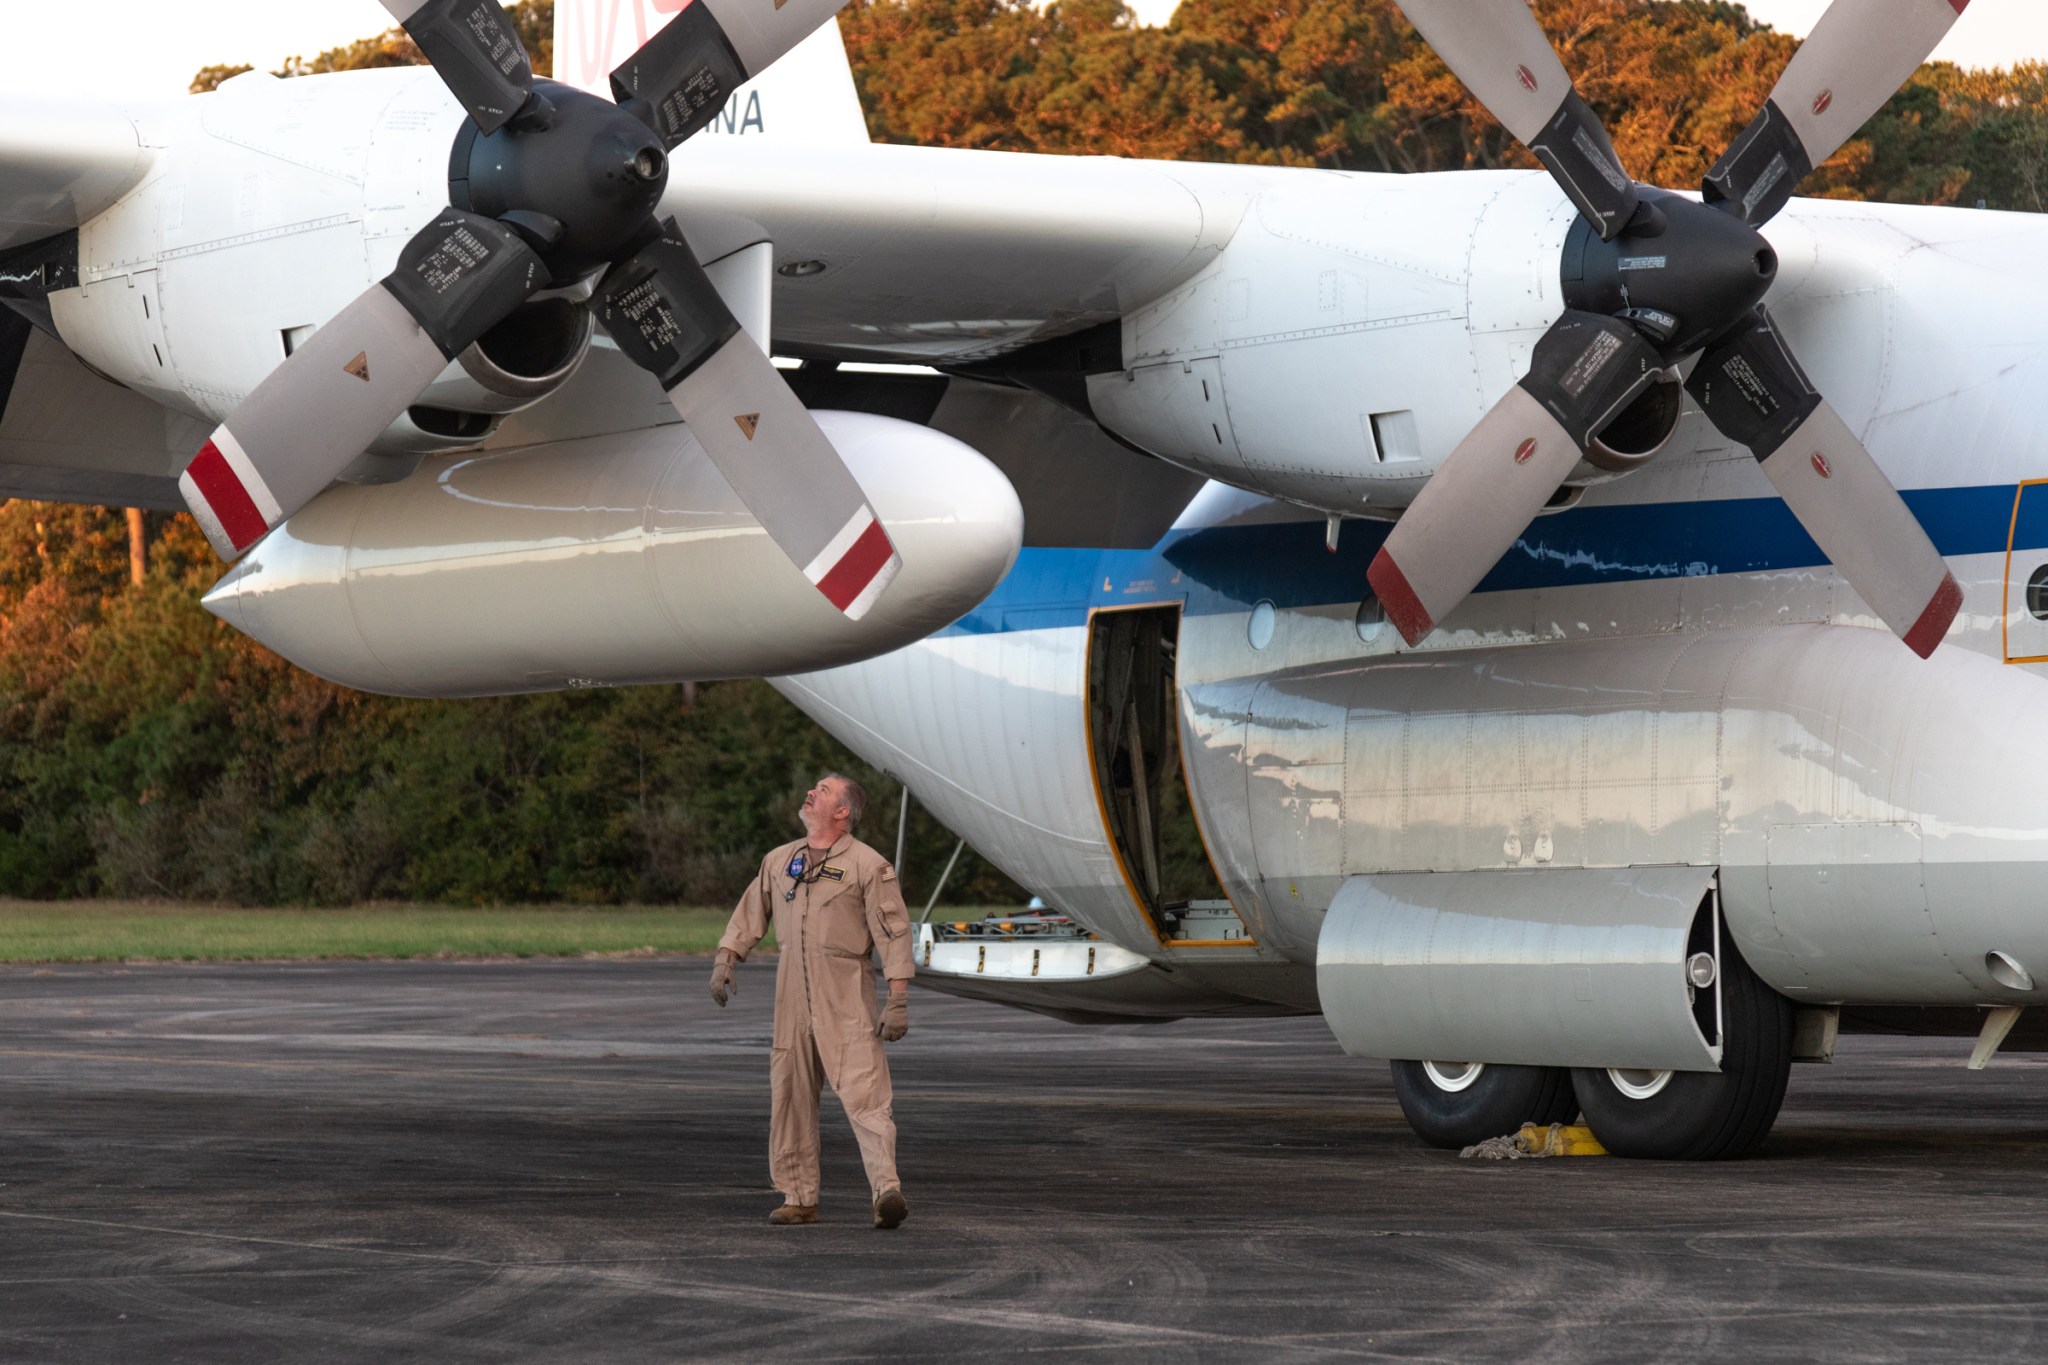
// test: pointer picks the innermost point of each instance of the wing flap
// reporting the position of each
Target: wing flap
(66, 435)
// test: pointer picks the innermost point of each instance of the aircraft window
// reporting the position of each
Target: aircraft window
(1259, 630)
(1371, 616)
(2037, 594)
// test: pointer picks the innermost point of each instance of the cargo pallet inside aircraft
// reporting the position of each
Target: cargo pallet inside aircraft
(1480, 607)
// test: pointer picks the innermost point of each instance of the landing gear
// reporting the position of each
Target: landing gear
(1695, 1115)
(1455, 1104)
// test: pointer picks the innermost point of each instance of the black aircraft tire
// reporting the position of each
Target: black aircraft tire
(1497, 1102)
(1704, 1116)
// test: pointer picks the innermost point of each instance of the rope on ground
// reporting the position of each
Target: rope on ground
(1557, 1140)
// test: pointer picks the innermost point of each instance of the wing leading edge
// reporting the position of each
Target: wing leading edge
(62, 162)
(946, 256)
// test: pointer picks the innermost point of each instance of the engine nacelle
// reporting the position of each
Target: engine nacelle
(270, 205)
(1352, 333)
(259, 224)
(608, 561)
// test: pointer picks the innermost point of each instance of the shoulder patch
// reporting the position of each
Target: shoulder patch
(888, 873)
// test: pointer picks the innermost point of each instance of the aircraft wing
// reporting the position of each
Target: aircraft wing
(61, 162)
(939, 255)
(67, 435)
(884, 253)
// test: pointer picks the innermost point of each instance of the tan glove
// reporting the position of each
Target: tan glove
(722, 984)
(895, 1018)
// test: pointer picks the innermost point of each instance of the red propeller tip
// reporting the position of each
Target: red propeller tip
(221, 481)
(1929, 630)
(853, 570)
(1402, 606)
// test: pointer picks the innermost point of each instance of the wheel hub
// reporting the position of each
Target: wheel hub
(1452, 1077)
(1639, 1083)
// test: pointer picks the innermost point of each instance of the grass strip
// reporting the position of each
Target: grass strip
(118, 931)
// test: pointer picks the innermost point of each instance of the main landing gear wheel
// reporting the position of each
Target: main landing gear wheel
(1455, 1104)
(1698, 1115)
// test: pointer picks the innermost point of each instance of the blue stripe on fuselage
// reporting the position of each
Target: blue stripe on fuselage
(1228, 568)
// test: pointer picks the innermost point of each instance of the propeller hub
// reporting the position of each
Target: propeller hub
(1681, 273)
(593, 168)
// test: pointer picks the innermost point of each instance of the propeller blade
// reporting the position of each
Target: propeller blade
(682, 76)
(1585, 370)
(1498, 50)
(1859, 53)
(662, 310)
(474, 50)
(314, 414)
(1753, 390)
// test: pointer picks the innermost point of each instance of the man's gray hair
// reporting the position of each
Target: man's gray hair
(856, 797)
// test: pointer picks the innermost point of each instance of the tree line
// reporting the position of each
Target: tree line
(147, 750)
(1347, 85)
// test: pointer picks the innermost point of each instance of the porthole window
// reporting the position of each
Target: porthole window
(1259, 630)
(2037, 594)
(1371, 616)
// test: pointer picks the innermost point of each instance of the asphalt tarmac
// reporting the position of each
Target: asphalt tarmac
(567, 1161)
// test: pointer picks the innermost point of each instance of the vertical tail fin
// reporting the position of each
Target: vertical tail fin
(806, 97)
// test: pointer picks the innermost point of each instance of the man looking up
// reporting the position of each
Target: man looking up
(834, 900)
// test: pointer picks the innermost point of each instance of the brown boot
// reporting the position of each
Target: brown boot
(891, 1208)
(791, 1215)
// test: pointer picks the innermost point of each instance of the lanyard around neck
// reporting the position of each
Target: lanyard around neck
(804, 870)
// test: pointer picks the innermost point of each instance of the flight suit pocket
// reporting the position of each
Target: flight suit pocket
(843, 926)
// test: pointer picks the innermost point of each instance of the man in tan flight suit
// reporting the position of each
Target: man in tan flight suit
(834, 900)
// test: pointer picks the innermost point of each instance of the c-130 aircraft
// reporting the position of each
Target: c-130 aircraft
(1585, 640)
